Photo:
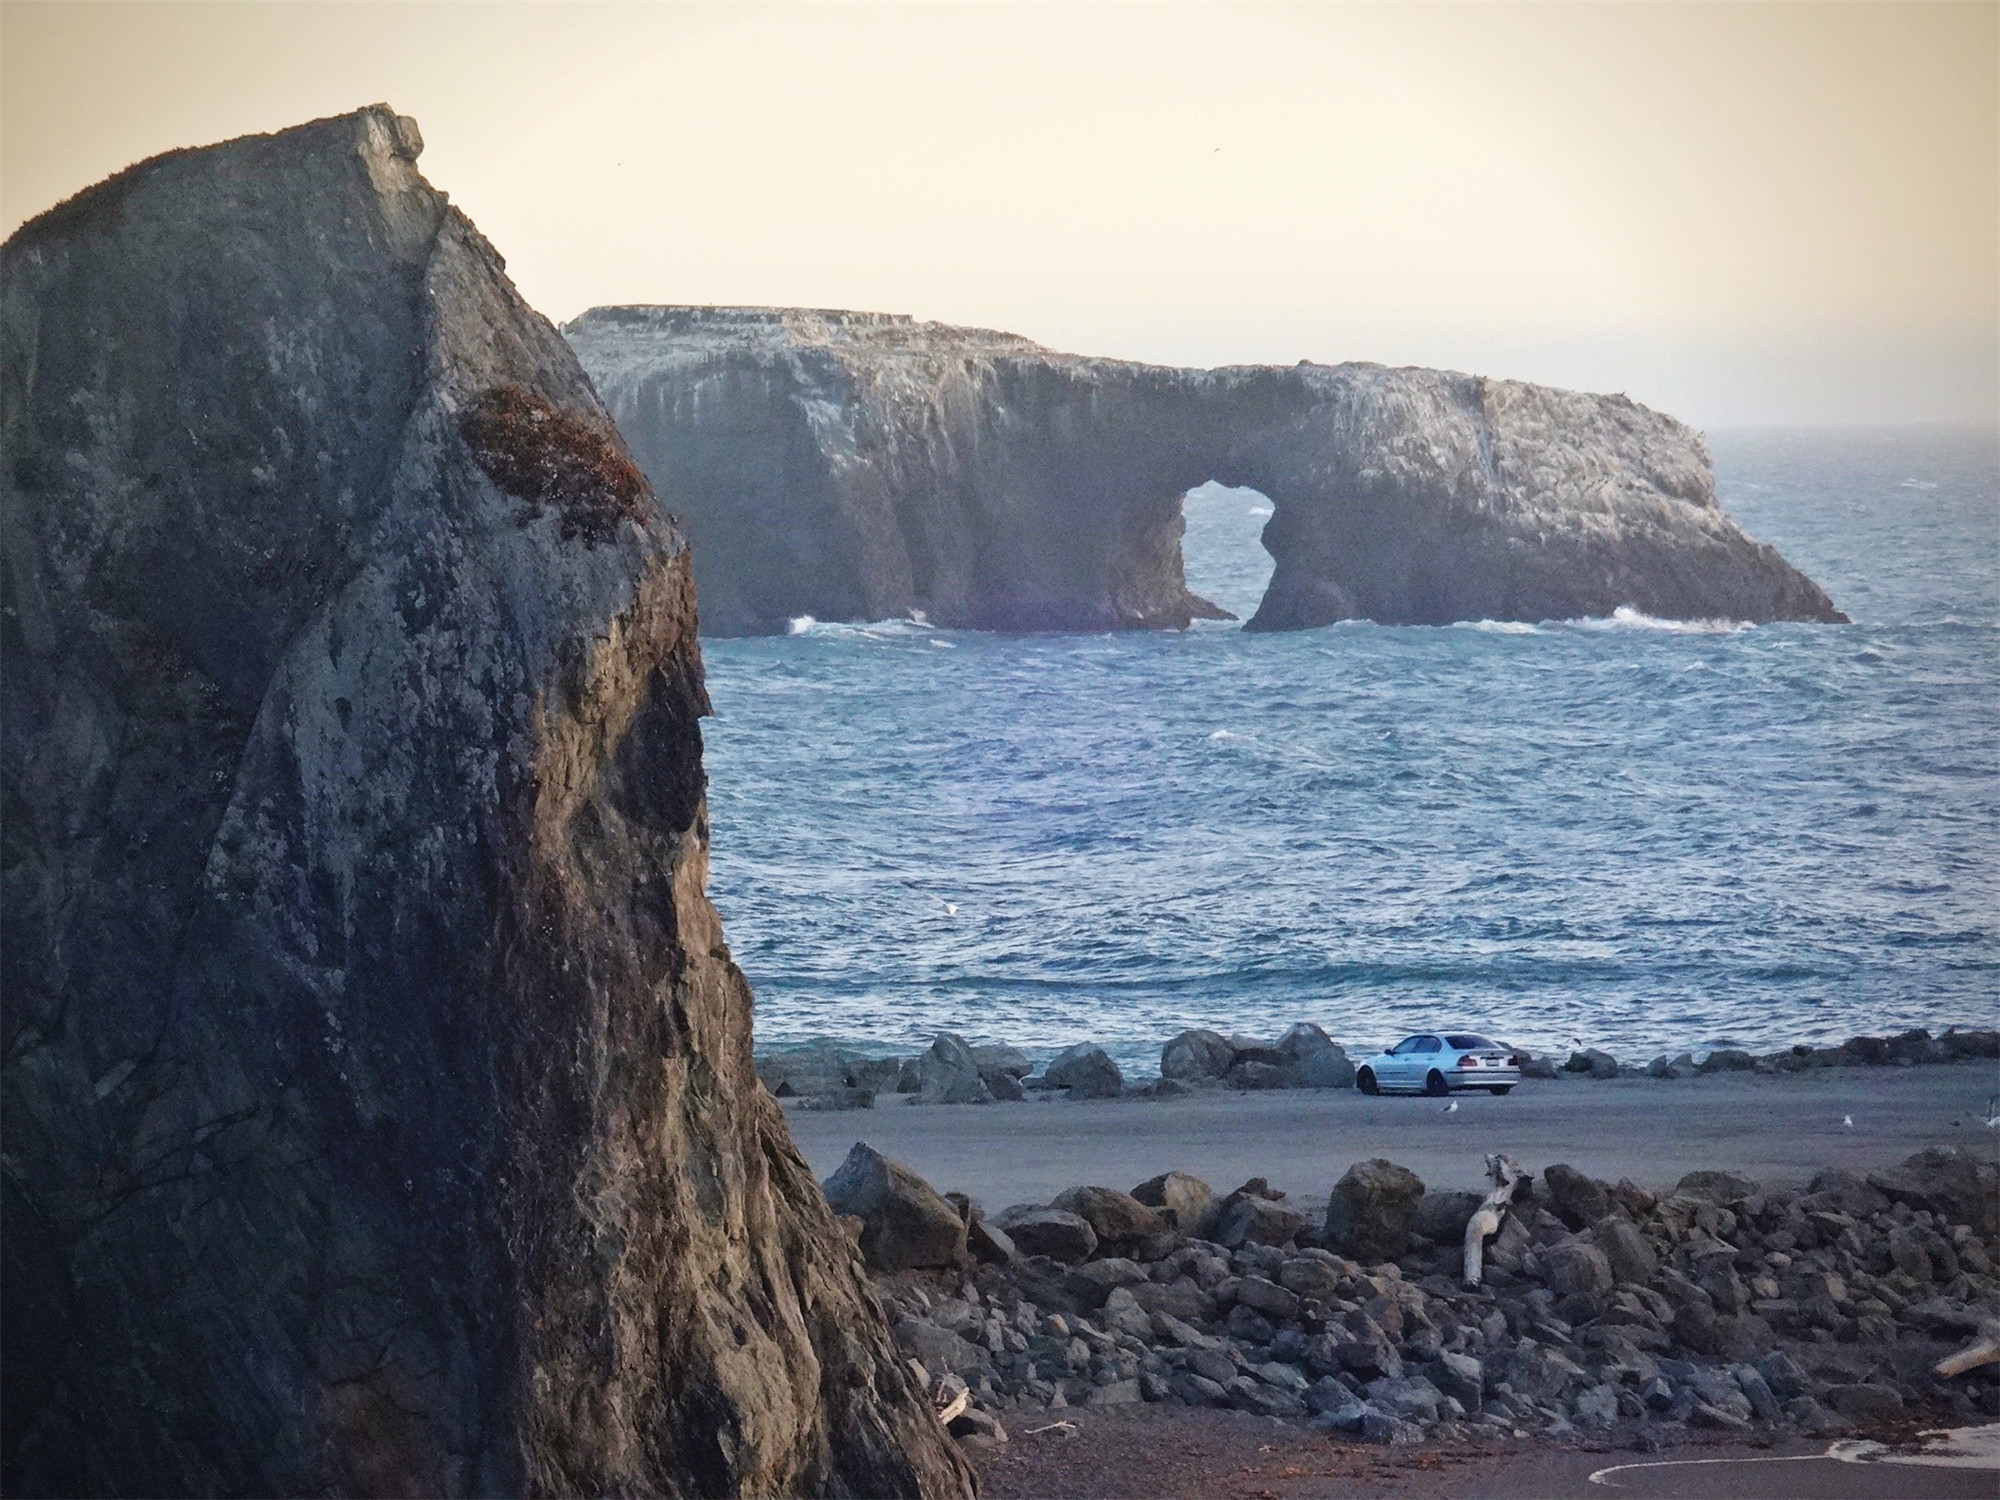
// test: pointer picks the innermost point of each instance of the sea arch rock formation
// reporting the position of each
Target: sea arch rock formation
(378, 1099)
(862, 466)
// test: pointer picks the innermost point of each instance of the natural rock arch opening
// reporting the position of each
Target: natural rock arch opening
(1222, 550)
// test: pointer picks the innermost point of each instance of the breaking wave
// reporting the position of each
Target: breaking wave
(1627, 618)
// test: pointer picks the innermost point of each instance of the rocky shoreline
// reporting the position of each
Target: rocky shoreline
(1606, 1310)
(821, 1076)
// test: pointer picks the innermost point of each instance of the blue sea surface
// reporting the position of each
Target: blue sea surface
(1651, 837)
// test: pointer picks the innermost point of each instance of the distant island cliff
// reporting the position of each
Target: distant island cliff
(863, 466)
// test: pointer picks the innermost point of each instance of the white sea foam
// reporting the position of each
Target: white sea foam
(1624, 617)
(874, 630)
(1260, 510)
(1224, 734)
(1949, 1448)
(1500, 627)
(1916, 484)
(1952, 1448)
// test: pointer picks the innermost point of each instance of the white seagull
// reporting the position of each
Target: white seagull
(1450, 1109)
(1847, 1122)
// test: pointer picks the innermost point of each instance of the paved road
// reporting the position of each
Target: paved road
(1778, 1129)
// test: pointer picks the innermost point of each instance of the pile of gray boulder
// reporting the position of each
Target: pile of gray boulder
(1907, 1049)
(1718, 1304)
(822, 1076)
(1305, 1057)
(953, 1071)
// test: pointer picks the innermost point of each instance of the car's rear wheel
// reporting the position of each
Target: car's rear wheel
(1365, 1081)
(1502, 1088)
(1435, 1085)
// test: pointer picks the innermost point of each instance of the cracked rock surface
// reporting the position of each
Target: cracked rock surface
(378, 1099)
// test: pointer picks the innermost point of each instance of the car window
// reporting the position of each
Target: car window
(1428, 1044)
(1467, 1040)
(1406, 1046)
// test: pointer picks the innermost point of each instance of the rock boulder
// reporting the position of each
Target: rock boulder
(1314, 1060)
(1373, 1211)
(1054, 1232)
(1196, 1056)
(1592, 1063)
(1946, 1180)
(1188, 1197)
(1579, 1201)
(1119, 1220)
(948, 1073)
(1086, 1071)
(905, 1224)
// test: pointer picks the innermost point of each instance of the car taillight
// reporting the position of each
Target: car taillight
(1468, 1061)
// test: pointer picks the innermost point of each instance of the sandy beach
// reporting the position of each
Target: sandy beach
(1779, 1129)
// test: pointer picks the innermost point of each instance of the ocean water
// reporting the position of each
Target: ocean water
(1651, 837)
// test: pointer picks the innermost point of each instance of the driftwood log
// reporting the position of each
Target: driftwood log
(952, 1397)
(1506, 1176)
(1983, 1350)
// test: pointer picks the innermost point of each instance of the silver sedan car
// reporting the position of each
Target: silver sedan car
(1436, 1062)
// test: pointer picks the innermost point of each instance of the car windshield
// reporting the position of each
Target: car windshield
(1465, 1040)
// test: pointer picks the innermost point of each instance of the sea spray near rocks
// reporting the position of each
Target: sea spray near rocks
(378, 1099)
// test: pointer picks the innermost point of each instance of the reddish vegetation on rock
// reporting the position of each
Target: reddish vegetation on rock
(539, 452)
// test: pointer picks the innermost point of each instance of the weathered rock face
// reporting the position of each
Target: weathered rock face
(1422, 497)
(861, 466)
(378, 1097)
(856, 466)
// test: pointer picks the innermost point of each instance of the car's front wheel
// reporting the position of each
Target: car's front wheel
(1435, 1085)
(1502, 1088)
(1365, 1081)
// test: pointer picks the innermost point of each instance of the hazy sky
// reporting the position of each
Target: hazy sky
(1736, 212)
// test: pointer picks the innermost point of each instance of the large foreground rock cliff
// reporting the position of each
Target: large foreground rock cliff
(860, 466)
(378, 1100)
